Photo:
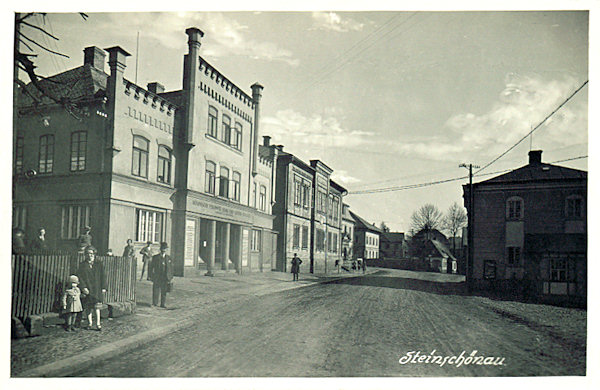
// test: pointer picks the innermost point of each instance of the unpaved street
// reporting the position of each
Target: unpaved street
(362, 327)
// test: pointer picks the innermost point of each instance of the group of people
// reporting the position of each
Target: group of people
(38, 243)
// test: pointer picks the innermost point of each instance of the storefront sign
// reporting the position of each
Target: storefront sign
(190, 233)
(222, 211)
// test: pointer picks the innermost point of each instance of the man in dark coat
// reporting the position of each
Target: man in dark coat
(92, 282)
(296, 266)
(161, 274)
(85, 239)
(129, 250)
(39, 243)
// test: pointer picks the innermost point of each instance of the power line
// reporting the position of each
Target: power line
(534, 129)
(432, 183)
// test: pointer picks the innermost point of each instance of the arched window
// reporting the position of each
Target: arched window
(226, 131)
(212, 121)
(574, 206)
(514, 208)
(164, 165)
(236, 140)
(211, 170)
(224, 182)
(236, 185)
(46, 156)
(139, 167)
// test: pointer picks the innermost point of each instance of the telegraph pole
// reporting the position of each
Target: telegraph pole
(470, 220)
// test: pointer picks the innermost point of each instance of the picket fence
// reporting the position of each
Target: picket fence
(39, 280)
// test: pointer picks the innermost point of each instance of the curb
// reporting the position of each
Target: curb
(66, 367)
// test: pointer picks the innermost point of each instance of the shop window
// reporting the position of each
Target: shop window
(211, 171)
(149, 225)
(164, 165)
(74, 219)
(46, 155)
(140, 156)
(255, 242)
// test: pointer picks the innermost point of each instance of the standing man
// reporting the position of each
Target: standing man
(93, 285)
(296, 266)
(146, 253)
(161, 274)
(129, 250)
(85, 239)
(39, 243)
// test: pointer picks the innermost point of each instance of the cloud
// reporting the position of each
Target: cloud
(334, 22)
(292, 128)
(223, 35)
(342, 176)
(523, 103)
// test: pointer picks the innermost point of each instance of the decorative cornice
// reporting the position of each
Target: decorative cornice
(149, 97)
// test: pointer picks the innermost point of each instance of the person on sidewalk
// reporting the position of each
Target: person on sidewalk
(129, 251)
(39, 243)
(146, 253)
(161, 274)
(71, 303)
(93, 285)
(296, 266)
(85, 240)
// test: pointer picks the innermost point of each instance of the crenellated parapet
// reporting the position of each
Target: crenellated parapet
(235, 96)
(148, 98)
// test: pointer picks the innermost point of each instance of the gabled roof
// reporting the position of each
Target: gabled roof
(433, 248)
(360, 222)
(536, 172)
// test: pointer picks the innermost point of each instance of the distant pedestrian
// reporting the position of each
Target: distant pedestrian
(296, 266)
(85, 239)
(71, 302)
(93, 285)
(129, 250)
(18, 240)
(39, 243)
(161, 274)
(146, 253)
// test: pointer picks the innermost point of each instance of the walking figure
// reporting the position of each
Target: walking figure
(296, 266)
(161, 274)
(146, 253)
(71, 303)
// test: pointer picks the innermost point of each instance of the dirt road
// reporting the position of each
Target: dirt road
(363, 327)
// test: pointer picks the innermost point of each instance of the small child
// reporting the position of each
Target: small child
(71, 303)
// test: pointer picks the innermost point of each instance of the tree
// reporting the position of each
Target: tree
(384, 227)
(426, 218)
(454, 220)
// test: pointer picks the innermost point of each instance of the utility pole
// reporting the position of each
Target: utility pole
(470, 220)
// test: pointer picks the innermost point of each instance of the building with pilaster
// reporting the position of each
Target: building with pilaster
(308, 213)
(141, 163)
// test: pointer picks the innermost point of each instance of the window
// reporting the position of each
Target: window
(297, 192)
(558, 269)
(224, 182)
(321, 202)
(304, 237)
(149, 225)
(306, 195)
(255, 243)
(514, 208)
(514, 255)
(262, 198)
(236, 140)
(19, 155)
(211, 171)
(140, 156)
(574, 206)
(334, 243)
(254, 195)
(236, 186)
(74, 219)
(489, 269)
(320, 240)
(19, 217)
(226, 130)
(296, 237)
(212, 121)
(164, 165)
(329, 242)
(335, 211)
(46, 160)
(78, 150)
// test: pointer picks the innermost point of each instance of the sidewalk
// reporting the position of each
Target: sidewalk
(60, 353)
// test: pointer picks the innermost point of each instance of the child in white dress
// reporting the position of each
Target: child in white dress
(71, 302)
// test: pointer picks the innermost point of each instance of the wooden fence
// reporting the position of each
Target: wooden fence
(38, 280)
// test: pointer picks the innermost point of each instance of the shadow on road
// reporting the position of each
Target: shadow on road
(382, 279)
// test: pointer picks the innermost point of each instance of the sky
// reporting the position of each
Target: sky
(387, 99)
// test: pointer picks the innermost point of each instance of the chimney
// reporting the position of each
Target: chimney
(535, 157)
(256, 95)
(266, 140)
(280, 147)
(156, 87)
(94, 56)
(190, 81)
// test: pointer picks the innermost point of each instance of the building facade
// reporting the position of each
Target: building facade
(393, 245)
(530, 231)
(366, 239)
(347, 234)
(308, 212)
(150, 165)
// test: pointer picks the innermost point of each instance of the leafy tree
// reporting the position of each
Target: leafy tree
(454, 220)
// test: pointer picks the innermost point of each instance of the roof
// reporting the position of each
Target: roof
(337, 186)
(536, 172)
(363, 223)
(393, 236)
(433, 248)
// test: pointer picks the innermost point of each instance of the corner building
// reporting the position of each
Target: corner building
(146, 164)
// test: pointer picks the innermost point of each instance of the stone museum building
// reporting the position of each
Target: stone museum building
(132, 162)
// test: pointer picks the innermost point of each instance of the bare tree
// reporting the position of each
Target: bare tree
(428, 217)
(454, 220)
(384, 227)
